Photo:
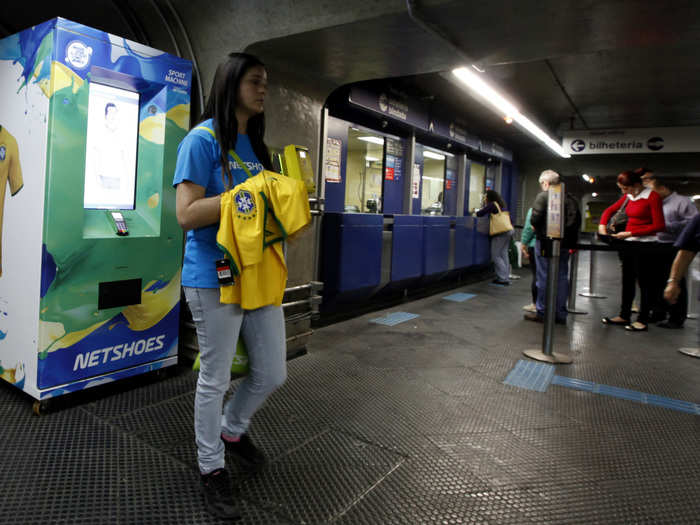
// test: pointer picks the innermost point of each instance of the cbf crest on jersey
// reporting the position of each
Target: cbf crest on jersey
(3, 152)
(245, 205)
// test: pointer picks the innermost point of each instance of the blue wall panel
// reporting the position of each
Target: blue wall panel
(396, 171)
(464, 242)
(360, 251)
(482, 247)
(436, 244)
(407, 247)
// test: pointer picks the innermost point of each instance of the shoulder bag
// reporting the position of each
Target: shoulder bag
(499, 222)
(618, 222)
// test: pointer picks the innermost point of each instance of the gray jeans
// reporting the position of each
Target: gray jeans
(218, 326)
(499, 254)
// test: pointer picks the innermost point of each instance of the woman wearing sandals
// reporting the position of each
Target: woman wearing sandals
(645, 217)
(222, 151)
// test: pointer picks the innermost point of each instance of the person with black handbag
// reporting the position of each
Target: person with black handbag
(645, 218)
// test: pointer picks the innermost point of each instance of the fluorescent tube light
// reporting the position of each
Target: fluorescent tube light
(433, 178)
(373, 140)
(371, 159)
(505, 107)
(432, 155)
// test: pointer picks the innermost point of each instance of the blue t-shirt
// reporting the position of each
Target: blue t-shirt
(198, 162)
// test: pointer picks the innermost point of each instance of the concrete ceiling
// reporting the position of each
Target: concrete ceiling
(586, 64)
(564, 63)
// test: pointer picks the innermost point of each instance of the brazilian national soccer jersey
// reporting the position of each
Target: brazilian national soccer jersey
(10, 172)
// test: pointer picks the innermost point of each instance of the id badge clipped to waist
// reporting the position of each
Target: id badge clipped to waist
(224, 272)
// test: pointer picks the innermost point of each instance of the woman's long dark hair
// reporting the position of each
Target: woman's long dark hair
(221, 107)
(493, 196)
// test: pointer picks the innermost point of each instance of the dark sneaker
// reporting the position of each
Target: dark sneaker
(245, 451)
(502, 282)
(533, 316)
(218, 494)
(669, 324)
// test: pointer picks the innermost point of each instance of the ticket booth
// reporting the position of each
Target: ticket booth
(91, 249)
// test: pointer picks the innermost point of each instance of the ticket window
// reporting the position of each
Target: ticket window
(477, 185)
(364, 168)
(433, 183)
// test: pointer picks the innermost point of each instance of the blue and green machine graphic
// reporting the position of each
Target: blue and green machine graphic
(80, 303)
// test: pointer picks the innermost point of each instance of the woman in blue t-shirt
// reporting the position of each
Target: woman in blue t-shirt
(233, 120)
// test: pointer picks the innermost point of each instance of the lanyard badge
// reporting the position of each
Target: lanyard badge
(224, 272)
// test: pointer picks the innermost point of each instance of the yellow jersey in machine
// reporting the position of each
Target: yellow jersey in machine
(256, 216)
(10, 171)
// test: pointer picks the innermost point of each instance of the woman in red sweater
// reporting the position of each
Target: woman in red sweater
(645, 218)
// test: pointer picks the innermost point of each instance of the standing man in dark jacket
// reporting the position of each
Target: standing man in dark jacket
(572, 225)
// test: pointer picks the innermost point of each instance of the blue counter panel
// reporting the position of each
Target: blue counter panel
(360, 258)
(436, 244)
(464, 242)
(482, 248)
(407, 247)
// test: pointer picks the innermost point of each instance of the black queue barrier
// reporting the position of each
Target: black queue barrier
(593, 248)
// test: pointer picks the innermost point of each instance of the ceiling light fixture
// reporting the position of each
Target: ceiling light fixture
(586, 177)
(594, 194)
(476, 84)
(431, 155)
(371, 159)
(373, 140)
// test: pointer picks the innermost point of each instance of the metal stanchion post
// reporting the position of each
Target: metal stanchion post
(546, 353)
(691, 283)
(591, 280)
(573, 277)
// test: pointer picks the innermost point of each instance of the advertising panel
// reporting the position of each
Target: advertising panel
(24, 110)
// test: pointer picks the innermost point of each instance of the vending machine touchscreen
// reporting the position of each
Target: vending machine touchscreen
(110, 154)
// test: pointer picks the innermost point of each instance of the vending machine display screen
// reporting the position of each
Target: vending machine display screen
(110, 156)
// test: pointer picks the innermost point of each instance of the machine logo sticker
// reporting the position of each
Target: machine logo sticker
(245, 205)
(655, 143)
(578, 145)
(3, 152)
(78, 54)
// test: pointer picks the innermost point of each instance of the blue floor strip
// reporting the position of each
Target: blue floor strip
(459, 297)
(394, 318)
(630, 395)
(530, 375)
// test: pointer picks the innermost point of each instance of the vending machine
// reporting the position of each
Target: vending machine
(90, 249)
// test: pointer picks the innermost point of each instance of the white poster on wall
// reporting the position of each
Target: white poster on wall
(415, 182)
(332, 164)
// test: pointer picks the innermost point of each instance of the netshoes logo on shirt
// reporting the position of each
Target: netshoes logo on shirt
(253, 167)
